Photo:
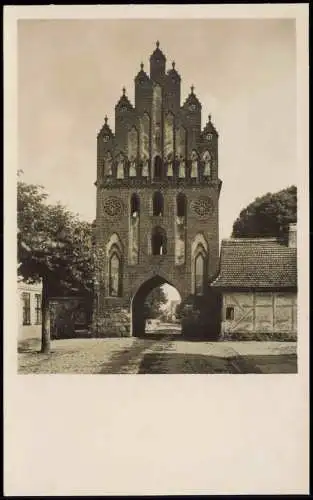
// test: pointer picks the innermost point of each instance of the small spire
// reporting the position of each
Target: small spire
(141, 66)
(124, 90)
(157, 44)
(210, 116)
(192, 88)
(173, 64)
(106, 119)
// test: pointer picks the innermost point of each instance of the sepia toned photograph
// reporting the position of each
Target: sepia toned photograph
(157, 196)
(156, 223)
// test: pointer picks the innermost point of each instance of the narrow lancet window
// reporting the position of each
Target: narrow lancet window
(181, 205)
(199, 274)
(115, 276)
(158, 204)
(158, 242)
(134, 206)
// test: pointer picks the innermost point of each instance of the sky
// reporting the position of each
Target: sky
(71, 74)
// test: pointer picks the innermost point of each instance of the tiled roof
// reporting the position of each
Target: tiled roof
(256, 263)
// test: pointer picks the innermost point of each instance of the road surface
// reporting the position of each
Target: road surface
(165, 352)
(159, 352)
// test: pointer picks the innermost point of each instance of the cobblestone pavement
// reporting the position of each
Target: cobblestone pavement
(162, 353)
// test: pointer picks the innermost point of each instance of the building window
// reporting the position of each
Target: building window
(199, 274)
(158, 241)
(134, 205)
(158, 204)
(115, 276)
(26, 308)
(38, 308)
(114, 268)
(230, 313)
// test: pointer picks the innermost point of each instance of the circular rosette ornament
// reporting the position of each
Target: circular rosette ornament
(202, 207)
(113, 207)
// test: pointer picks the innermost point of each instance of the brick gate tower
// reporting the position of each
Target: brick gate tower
(157, 202)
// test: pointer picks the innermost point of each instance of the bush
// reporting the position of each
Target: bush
(261, 336)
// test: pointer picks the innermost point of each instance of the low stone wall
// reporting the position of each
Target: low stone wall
(112, 323)
(68, 315)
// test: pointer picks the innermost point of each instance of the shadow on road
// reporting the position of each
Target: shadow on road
(184, 363)
(174, 363)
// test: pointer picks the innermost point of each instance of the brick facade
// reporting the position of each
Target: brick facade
(161, 149)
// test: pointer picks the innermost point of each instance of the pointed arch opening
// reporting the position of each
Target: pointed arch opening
(199, 273)
(115, 274)
(155, 309)
(158, 241)
(158, 204)
(199, 264)
(114, 269)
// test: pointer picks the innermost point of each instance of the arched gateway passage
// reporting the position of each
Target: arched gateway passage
(138, 311)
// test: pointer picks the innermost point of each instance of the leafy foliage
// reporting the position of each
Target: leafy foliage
(54, 246)
(153, 303)
(268, 216)
(52, 242)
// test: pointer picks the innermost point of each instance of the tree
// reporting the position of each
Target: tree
(268, 216)
(153, 303)
(54, 246)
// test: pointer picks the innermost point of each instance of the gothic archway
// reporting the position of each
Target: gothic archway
(138, 319)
